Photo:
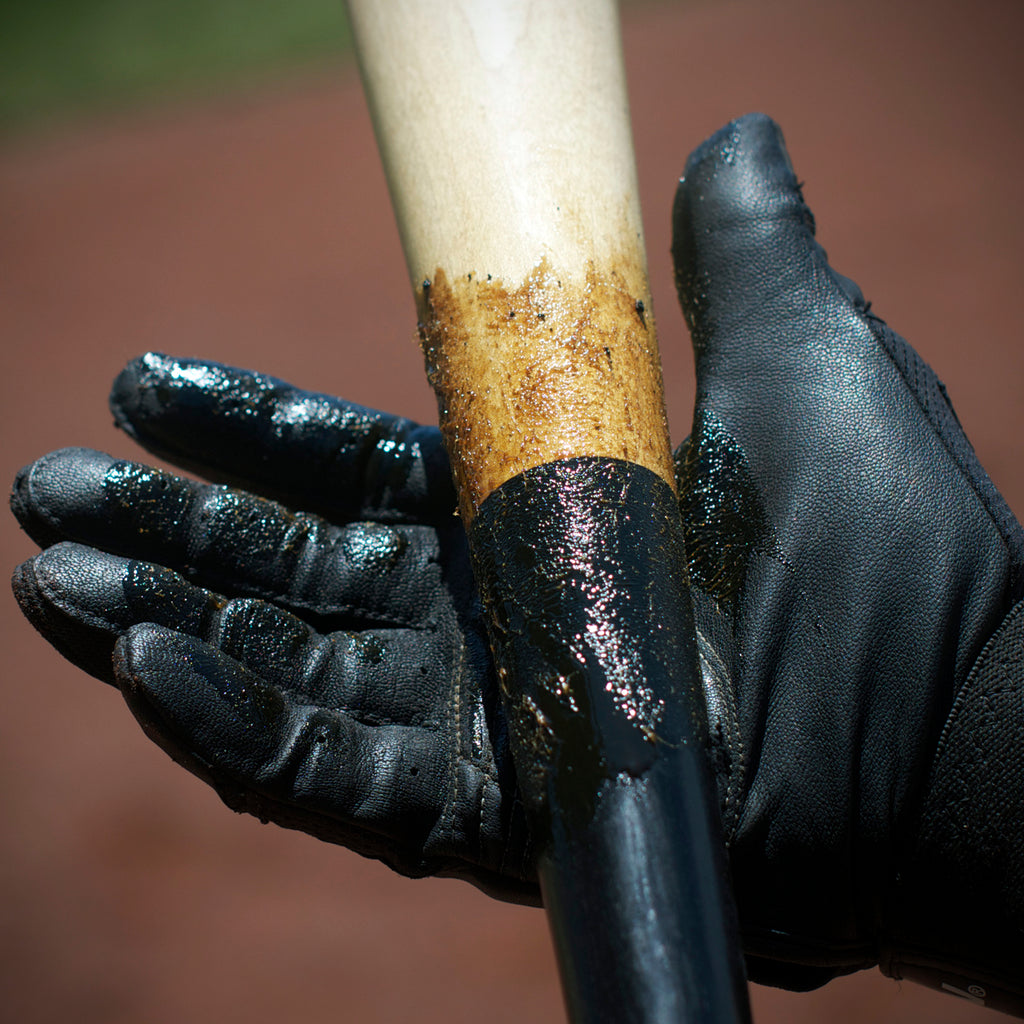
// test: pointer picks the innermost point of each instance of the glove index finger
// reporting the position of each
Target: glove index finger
(308, 450)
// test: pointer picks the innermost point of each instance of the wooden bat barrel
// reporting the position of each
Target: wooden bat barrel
(504, 131)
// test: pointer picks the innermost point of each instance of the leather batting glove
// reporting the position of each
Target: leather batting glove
(855, 579)
(325, 669)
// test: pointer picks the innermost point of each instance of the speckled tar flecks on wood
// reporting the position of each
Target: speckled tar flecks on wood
(551, 368)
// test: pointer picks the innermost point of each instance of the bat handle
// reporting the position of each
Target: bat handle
(594, 645)
(665, 953)
(504, 131)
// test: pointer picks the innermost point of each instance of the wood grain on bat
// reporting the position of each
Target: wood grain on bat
(524, 218)
(547, 370)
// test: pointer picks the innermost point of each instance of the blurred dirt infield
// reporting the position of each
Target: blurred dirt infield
(258, 232)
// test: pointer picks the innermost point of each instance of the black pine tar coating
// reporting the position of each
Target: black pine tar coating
(582, 567)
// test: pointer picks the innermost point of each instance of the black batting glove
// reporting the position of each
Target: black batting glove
(855, 579)
(325, 669)
(849, 562)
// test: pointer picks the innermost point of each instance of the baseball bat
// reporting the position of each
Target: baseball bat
(504, 131)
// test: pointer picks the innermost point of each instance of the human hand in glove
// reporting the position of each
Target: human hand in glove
(849, 563)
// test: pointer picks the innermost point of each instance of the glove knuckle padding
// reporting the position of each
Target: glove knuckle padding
(269, 686)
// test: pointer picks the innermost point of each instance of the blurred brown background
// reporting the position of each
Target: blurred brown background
(255, 229)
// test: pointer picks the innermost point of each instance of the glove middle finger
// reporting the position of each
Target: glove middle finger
(83, 600)
(342, 576)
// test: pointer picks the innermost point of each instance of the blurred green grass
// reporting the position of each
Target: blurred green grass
(60, 59)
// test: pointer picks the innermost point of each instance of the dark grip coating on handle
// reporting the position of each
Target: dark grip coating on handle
(582, 570)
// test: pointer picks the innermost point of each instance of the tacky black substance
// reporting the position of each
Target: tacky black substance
(580, 564)
(582, 568)
(721, 508)
(301, 448)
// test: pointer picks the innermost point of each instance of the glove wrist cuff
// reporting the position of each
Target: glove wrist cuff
(958, 902)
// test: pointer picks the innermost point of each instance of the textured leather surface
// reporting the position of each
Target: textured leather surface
(870, 557)
(849, 561)
(328, 678)
(958, 903)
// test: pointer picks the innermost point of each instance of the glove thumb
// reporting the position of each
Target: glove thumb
(744, 249)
